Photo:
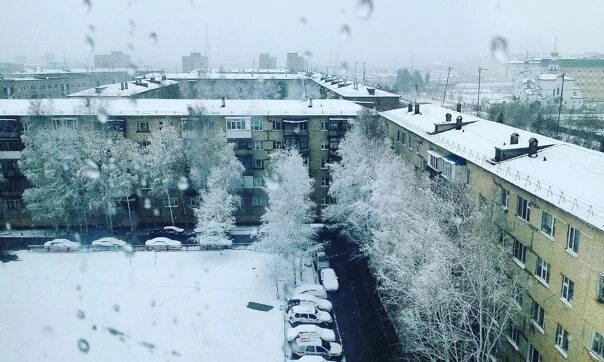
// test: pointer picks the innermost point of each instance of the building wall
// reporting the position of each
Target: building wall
(586, 314)
(590, 80)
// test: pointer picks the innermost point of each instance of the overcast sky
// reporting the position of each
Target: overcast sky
(428, 30)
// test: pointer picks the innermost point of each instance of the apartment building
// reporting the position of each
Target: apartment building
(547, 199)
(255, 127)
(265, 61)
(194, 61)
(115, 59)
(136, 89)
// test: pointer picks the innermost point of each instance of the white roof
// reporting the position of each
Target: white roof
(115, 89)
(170, 107)
(261, 75)
(43, 71)
(162, 240)
(571, 177)
(349, 90)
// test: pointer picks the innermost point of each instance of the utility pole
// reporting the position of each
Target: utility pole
(560, 107)
(478, 105)
(446, 85)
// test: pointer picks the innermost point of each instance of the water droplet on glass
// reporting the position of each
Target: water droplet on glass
(88, 5)
(308, 54)
(345, 31)
(131, 69)
(303, 20)
(273, 181)
(499, 49)
(130, 46)
(183, 183)
(83, 345)
(102, 117)
(78, 287)
(344, 65)
(91, 170)
(156, 212)
(153, 304)
(153, 36)
(116, 308)
(81, 314)
(128, 250)
(364, 9)
(90, 43)
(147, 204)
(91, 28)
(48, 330)
(77, 237)
(8, 226)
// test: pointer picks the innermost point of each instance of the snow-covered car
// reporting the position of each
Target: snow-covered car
(321, 260)
(315, 289)
(61, 245)
(310, 329)
(108, 243)
(329, 279)
(299, 299)
(173, 230)
(311, 359)
(162, 243)
(308, 314)
(315, 346)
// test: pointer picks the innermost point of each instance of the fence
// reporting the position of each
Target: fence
(183, 247)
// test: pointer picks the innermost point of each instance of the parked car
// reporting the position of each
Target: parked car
(299, 299)
(310, 329)
(315, 346)
(314, 289)
(308, 314)
(61, 245)
(162, 243)
(173, 230)
(329, 279)
(321, 260)
(108, 243)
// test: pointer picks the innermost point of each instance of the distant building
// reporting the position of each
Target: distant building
(295, 63)
(265, 61)
(194, 61)
(114, 60)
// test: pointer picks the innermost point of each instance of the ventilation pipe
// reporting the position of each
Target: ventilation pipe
(458, 107)
(458, 122)
(125, 85)
(309, 102)
(416, 108)
(409, 107)
(514, 139)
(121, 86)
(448, 117)
(533, 146)
(223, 102)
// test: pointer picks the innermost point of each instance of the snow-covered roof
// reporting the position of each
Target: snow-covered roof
(346, 88)
(162, 240)
(42, 71)
(171, 107)
(197, 75)
(553, 76)
(566, 175)
(118, 90)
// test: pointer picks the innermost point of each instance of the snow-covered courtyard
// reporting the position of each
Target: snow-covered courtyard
(108, 306)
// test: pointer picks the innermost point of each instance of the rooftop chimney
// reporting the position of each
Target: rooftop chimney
(448, 117)
(458, 107)
(514, 138)
(121, 86)
(416, 108)
(409, 107)
(500, 118)
(309, 102)
(223, 102)
(126, 85)
(371, 90)
(533, 147)
(458, 122)
(163, 77)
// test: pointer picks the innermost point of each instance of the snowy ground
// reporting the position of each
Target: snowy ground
(184, 306)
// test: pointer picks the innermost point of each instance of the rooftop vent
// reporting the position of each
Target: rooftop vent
(458, 122)
(309, 102)
(163, 77)
(409, 107)
(448, 117)
(500, 118)
(533, 147)
(371, 90)
(125, 85)
(121, 86)
(514, 138)
(458, 107)
(416, 108)
(223, 102)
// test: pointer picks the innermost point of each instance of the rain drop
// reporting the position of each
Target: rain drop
(364, 9)
(153, 36)
(131, 69)
(48, 331)
(273, 182)
(116, 308)
(102, 117)
(81, 314)
(7, 226)
(83, 345)
(308, 54)
(91, 170)
(303, 20)
(499, 49)
(147, 204)
(88, 5)
(90, 43)
(156, 212)
(344, 65)
(183, 183)
(345, 31)
(128, 250)
(91, 28)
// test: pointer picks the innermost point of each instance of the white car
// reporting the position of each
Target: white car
(299, 299)
(162, 243)
(310, 329)
(314, 346)
(315, 289)
(329, 279)
(308, 314)
(311, 359)
(61, 245)
(109, 243)
(173, 230)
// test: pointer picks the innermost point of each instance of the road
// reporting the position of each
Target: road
(366, 333)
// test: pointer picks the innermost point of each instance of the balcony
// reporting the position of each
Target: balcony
(295, 132)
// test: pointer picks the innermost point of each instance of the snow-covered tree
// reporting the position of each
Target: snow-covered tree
(164, 162)
(286, 224)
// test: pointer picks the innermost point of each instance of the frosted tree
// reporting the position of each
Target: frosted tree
(164, 163)
(286, 224)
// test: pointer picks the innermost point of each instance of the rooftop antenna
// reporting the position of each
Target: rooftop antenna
(478, 105)
(446, 85)
(560, 107)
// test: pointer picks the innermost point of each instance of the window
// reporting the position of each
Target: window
(64, 122)
(325, 182)
(257, 125)
(142, 126)
(519, 294)
(324, 145)
(572, 239)
(538, 315)
(548, 223)
(13, 204)
(326, 200)
(568, 289)
(258, 145)
(597, 345)
(532, 355)
(323, 164)
(542, 271)
(334, 143)
(258, 200)
(404, 138)
(513, 334)
(235, 123)
(194, 202)
(324, 125)
(600, 296)
(505, 198)
(258, 182)
(519, 252)
(523, 209)
(277, 145)
(258, 164)
(172, 202)
(277, 126)
(398, 135)
(562, 339)
(143, 144)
